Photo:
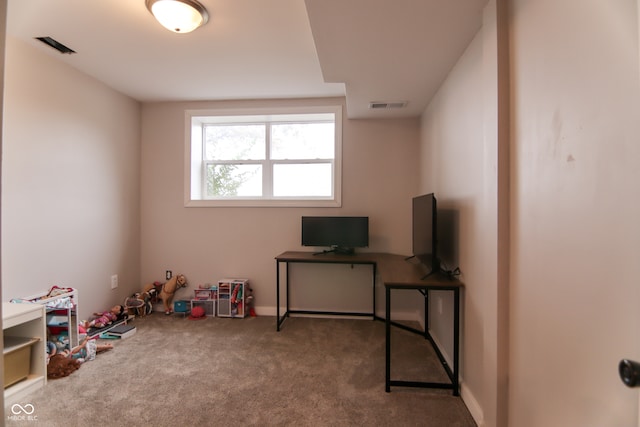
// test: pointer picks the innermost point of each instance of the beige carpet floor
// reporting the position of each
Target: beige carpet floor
(241, 372)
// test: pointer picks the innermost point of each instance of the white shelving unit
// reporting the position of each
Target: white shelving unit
(60, 318)
(207, 299)
(25, 322)
(232, 297)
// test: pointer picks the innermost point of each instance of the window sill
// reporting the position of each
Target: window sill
(262, 203)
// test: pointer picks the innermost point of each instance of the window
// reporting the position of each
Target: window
(275, 157)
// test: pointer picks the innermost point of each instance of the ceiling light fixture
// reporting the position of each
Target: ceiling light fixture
(179, 16)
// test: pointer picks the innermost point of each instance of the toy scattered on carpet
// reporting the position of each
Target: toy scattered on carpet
(87, 350)
(52, 350)
(249, 301)
(63, 363)
(60, 366)
(100, 320)
(197, 313)
(168, 290)
(140, 303)
(56, 343)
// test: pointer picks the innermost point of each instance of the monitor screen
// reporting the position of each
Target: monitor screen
(424, 231)
(340, 233)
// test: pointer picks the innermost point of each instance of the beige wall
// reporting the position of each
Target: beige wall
(575, 210)
(457, 166)
(573, 219)
(207, 244)
(70, 182)
(3, 20)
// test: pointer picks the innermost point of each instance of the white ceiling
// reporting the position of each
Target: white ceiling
(368, 50)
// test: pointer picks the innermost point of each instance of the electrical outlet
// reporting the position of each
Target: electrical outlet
(168, 274)
(114, 281)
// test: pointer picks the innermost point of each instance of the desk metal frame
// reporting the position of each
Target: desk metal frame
(453, 374)
(396, 274)
(322, 258)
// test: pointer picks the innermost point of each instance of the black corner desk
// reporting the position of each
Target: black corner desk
(396, 273)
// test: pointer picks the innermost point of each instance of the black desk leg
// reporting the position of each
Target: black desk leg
(456, 341)
(425, 294)
(277, 296)
(374, 291)
(287, 290)
(387, 326)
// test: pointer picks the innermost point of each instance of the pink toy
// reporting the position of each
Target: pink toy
(105, 318)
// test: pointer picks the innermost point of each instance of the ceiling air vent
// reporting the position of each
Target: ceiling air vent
(56, 45)
(387, 105)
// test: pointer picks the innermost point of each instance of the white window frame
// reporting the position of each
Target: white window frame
(193, 161)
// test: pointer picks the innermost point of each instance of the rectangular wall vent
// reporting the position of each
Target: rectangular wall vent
(387, 105)
(55, 44)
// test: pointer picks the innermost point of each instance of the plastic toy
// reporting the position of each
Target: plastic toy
(197, 313)
(168, 291)
(105, 318)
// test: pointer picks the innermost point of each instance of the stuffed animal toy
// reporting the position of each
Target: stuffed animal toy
(168, 291)
(153, 289)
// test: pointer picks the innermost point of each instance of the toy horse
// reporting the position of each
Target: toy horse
(168, 290)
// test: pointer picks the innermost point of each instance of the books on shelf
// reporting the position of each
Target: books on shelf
(121, 331)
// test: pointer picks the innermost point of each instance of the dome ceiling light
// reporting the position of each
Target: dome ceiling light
(179, 16)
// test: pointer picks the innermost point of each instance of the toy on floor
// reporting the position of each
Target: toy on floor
(248, 297)
(52, 349)
(139, 304)
(117, 312)
(168, 291)
(61, 366)
(87, 350)
(197, 313)
(153, 290)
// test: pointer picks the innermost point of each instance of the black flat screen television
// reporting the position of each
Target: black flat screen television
(341, 234)
(424, 232)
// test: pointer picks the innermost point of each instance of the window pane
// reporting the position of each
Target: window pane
(302, 141)
(313, 180)
(234, 142)
(233, 181)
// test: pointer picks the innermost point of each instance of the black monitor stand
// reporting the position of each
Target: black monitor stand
(338, 250)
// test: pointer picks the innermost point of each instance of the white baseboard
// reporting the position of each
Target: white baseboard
(465, 392)
(441, 347)
(412, 316)
(472, 405)
(266, 311)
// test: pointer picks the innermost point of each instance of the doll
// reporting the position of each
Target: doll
(87, 350)
(103, 319)
(52, 349)
(60, 366)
